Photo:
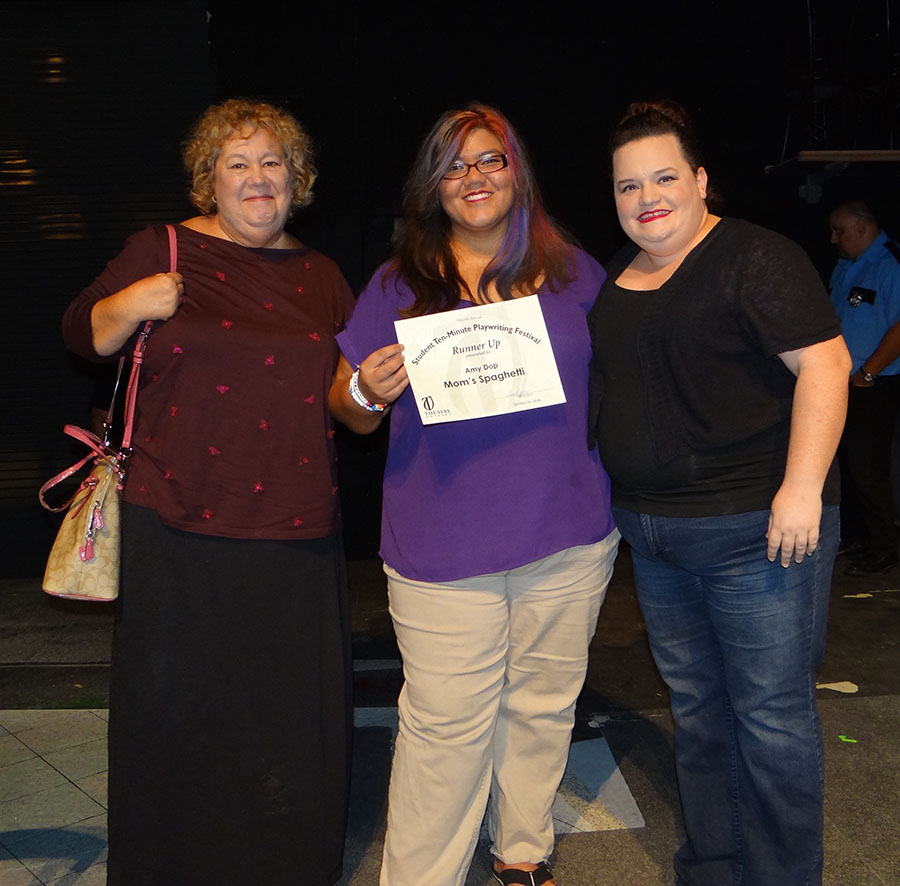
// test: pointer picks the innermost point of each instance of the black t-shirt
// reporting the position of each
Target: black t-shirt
(691, 402)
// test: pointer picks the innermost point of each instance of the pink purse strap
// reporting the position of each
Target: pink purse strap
(99, 448)
(137, 356)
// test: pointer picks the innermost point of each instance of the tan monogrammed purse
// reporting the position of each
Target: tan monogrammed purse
(84, 559)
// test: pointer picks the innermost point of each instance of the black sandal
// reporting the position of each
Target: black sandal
(513, 876)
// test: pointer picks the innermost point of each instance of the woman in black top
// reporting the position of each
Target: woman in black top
(718, 396)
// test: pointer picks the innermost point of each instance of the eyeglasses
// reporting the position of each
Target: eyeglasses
(490, 163)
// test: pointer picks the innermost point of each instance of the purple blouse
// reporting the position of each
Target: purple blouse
(489, 494)
(233, 436)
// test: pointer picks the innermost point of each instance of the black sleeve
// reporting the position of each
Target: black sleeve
(784, 304)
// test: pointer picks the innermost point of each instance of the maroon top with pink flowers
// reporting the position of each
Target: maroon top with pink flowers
(232, 436)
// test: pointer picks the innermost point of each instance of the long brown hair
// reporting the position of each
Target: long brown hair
(534, 247)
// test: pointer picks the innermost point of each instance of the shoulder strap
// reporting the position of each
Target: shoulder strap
(137, 356)
(173, 249)
(97, 449)
(100, 448)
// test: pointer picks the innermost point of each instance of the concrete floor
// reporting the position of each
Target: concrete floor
(617, 814)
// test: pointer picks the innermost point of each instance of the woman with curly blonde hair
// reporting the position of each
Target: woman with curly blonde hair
(229, 698)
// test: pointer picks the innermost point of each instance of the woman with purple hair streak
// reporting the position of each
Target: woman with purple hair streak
(496, 534)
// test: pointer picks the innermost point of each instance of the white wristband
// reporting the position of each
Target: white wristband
(359, 397)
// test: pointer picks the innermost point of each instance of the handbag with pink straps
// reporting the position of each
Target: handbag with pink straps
(84, 560)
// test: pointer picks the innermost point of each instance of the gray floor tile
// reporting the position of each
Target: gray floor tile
(66, 851)
(80, 761)
(96, 787)
(13, 751)
(93, 876)
(55, 808)
(20, 720)
(77, 728)
(59, 870)
(28, 777)
(85, 837)
(12, 873)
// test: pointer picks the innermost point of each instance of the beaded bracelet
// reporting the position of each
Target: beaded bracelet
(359, 397)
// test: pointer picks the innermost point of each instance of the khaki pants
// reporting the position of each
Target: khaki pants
(493, 665)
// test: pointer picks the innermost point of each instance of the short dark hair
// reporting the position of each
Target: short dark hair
(664, 116)
(858, 209)
(657, 117)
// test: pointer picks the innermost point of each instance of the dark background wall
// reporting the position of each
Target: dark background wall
(98, 96)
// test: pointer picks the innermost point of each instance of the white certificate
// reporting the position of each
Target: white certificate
(479, 361)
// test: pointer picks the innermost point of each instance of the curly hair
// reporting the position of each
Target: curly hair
(240, 118)
(534, 246)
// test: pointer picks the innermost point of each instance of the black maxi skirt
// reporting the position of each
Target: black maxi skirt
(230, 710)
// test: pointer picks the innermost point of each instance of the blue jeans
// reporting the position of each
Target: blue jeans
(738, 640)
